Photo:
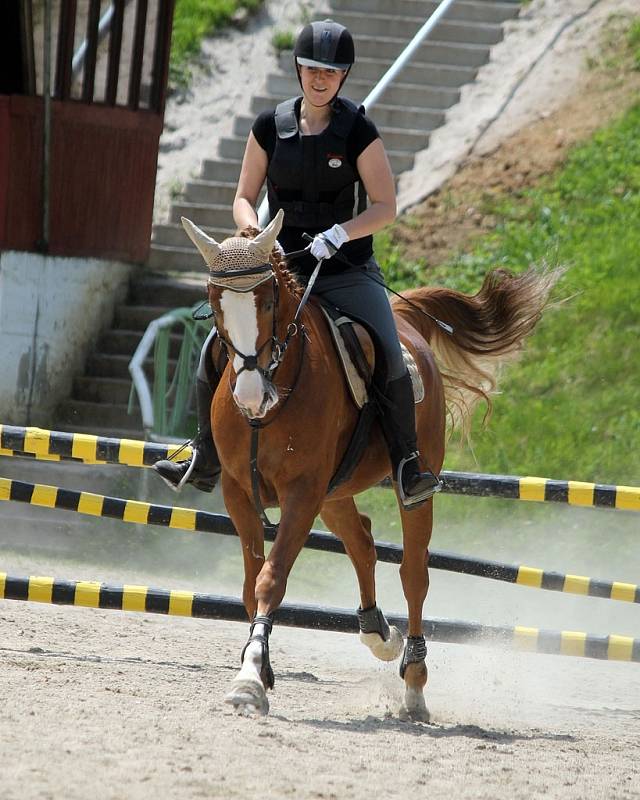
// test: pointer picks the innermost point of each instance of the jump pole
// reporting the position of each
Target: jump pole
(136, 511)
(91, 594)
(88, 449)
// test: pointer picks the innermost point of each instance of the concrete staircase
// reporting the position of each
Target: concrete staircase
(99, 400)
(408, 112)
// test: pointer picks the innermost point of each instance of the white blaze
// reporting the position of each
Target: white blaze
(241, 322)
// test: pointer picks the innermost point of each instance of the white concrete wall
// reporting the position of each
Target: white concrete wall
(52, 311)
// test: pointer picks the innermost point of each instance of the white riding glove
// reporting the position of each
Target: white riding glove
(327, 243)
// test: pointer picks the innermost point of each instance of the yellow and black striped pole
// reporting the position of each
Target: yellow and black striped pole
(190, 519)
(56, 446)
(85, 448)
(575, 493)
(93, 594)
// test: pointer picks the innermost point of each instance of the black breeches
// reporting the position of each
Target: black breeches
(359, 294)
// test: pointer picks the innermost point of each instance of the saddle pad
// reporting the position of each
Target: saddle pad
(355, 382)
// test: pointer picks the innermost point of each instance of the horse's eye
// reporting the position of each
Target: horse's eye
(268, 305)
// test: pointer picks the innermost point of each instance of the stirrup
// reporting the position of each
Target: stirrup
(178, 473)
(413, 501)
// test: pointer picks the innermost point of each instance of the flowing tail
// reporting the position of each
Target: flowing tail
(489, 331)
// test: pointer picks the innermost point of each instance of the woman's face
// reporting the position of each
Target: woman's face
(320, 86)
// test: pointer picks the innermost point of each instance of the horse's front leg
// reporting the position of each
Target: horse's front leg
(249, 690)
(354, 529)
(249, 687)
(414, 573)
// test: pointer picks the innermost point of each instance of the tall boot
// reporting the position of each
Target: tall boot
(202, 470)
(398, 419)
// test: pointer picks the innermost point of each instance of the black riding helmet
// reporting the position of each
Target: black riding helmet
(325, 44)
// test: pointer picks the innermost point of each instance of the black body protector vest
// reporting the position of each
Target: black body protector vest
(309, 177)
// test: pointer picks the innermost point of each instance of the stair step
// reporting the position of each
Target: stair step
(173, 235)
(101, 390)
(218, 170)
(439, 51)
(469, 10)
(176, 259)
(161, 290)
(98, 430)
(404, 28)
(137, 318)
(232, 147)
(121, 342)
(401, 161)
(84, 413)
(211, 215)
(218, 192)
(103, 365)
(399, 139)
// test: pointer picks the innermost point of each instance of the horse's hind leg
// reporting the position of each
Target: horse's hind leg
(414, 573)
(354, 529)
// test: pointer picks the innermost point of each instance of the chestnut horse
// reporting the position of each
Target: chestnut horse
(285, 376)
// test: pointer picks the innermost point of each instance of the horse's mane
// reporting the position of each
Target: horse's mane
(277, 261)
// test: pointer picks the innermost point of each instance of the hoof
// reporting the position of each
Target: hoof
(248, 698)
(385, 651)
(414, 708)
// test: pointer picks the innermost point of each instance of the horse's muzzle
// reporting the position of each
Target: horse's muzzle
(269, 399)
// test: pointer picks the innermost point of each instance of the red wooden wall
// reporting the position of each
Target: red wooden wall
(103, 166)
(103, 156)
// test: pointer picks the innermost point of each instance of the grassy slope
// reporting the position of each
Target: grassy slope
(193, 20)
(570, 407)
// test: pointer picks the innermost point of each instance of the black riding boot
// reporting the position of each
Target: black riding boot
(399, 427)
(202, 470)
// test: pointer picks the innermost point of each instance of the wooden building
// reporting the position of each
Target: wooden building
(86, 188)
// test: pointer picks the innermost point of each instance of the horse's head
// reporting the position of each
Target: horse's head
(243, 294)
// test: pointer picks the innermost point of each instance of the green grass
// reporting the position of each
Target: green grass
(633, 42)
(192, 21)
(283, 40)
(571, 407)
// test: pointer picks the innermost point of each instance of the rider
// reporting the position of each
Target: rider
(321, 158)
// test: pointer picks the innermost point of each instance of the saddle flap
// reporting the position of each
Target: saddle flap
(357, 356)
(343, 339)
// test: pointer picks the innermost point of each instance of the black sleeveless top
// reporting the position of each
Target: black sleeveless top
(315, 178)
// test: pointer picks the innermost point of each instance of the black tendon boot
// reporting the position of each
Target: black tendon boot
(399, 428)
(202, 470)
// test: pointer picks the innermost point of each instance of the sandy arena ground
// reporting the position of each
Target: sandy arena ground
(97, 705)
(128, 707)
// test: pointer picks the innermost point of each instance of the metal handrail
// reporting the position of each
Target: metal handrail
(157, 424)
(103, 28)
(136, 368)
(378, 90)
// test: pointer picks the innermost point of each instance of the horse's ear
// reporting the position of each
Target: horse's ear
(266, 239)
(207, 246)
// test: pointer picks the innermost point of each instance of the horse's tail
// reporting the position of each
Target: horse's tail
(489, 330)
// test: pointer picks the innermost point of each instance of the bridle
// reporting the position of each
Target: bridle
(279, 346)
